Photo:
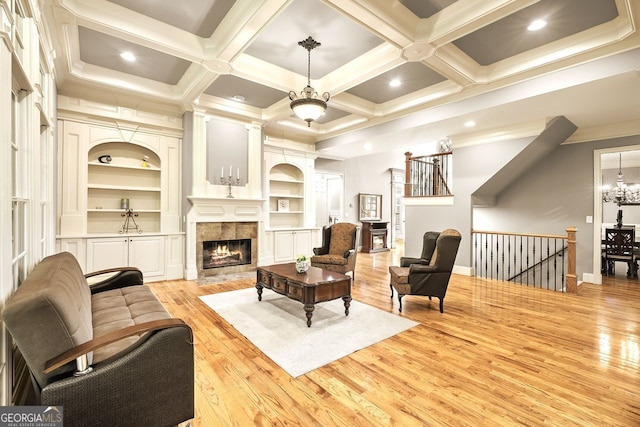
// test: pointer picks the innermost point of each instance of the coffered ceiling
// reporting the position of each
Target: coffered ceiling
(455, 61)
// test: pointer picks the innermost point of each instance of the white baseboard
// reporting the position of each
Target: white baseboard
(462, 270)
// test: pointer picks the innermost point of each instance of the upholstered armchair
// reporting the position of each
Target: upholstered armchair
(429, 280)
(338, 251)
(428, 246)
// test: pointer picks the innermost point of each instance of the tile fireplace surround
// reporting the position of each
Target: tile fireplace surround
(206, 231)
(213, 218)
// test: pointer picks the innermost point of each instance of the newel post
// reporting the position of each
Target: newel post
(407, 174)
(572, 279)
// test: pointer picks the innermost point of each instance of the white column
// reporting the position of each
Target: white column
(254, 162)
(199, 161)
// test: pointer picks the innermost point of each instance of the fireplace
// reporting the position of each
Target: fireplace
(225, 253)
(225, 247)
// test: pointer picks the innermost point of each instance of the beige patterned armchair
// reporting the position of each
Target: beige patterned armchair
(338, 251)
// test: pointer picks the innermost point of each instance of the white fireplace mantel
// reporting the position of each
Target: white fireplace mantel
(210, 209)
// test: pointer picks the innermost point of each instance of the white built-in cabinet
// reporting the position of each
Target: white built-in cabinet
(289, 228)
(144, 252)
(289, 244)
(107, 168)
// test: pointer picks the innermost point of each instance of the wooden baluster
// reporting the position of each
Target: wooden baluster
(407, 174)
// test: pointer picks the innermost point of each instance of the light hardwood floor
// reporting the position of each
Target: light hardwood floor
(501, 354)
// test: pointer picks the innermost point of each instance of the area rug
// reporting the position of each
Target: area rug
(277, 325)
(210, 280)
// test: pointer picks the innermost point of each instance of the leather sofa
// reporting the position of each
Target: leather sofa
(108, 353)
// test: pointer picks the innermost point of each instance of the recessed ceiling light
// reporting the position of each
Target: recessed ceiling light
(238, 98)
(536, 25)
(128, 56)
(395, 83)
(470, 124)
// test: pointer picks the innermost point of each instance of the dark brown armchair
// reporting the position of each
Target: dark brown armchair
(338, 251)
(429, 280)
(428, 246)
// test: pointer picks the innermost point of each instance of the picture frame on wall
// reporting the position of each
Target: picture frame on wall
(283, 205)
(370, 207)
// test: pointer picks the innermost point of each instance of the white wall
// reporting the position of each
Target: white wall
(472, 166)
(558, 193)
(366, 174)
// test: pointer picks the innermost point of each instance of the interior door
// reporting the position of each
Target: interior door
(396, 231)
(329, 198)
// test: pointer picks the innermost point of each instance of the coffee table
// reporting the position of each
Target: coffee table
(314, 286)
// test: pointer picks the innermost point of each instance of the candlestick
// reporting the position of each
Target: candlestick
(229, 182)
(238, 174)
(230, 172)
(221, 172)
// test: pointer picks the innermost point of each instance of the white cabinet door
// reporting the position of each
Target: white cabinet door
(289, 244)
(302, 242)
(147, 254)
(283, 246)
(143, 252)
(107, 253)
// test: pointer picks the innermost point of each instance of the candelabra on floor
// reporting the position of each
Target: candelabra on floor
(229, 182)
(129, 215)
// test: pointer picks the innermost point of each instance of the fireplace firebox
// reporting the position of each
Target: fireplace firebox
(225, 253)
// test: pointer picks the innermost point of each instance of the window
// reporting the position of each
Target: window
(18, 192)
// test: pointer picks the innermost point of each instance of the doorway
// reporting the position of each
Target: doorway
(396, 232)
(608, 163)
(329, 192)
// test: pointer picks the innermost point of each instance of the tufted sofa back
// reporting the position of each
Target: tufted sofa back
(55, 297)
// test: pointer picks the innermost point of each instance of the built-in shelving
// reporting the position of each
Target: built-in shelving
(286, 196)
(130, 177)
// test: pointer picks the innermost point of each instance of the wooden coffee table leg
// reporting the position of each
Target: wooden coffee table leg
(259, 288)
(347, 303)
(308, 308)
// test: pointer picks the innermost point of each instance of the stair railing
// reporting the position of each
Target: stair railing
(540, 260)
(428, 176)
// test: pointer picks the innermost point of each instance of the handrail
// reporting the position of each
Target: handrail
(507, 233)
(516, 251)
(427, 176)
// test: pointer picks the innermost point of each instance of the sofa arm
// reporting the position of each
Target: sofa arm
(82, 349)
(119, 278)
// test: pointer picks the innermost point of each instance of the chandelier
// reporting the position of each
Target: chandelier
(622, 193)
(308, 106)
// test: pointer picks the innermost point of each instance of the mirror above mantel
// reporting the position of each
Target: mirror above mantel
(370, 207)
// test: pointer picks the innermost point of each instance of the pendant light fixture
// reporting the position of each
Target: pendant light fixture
(308, 106)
